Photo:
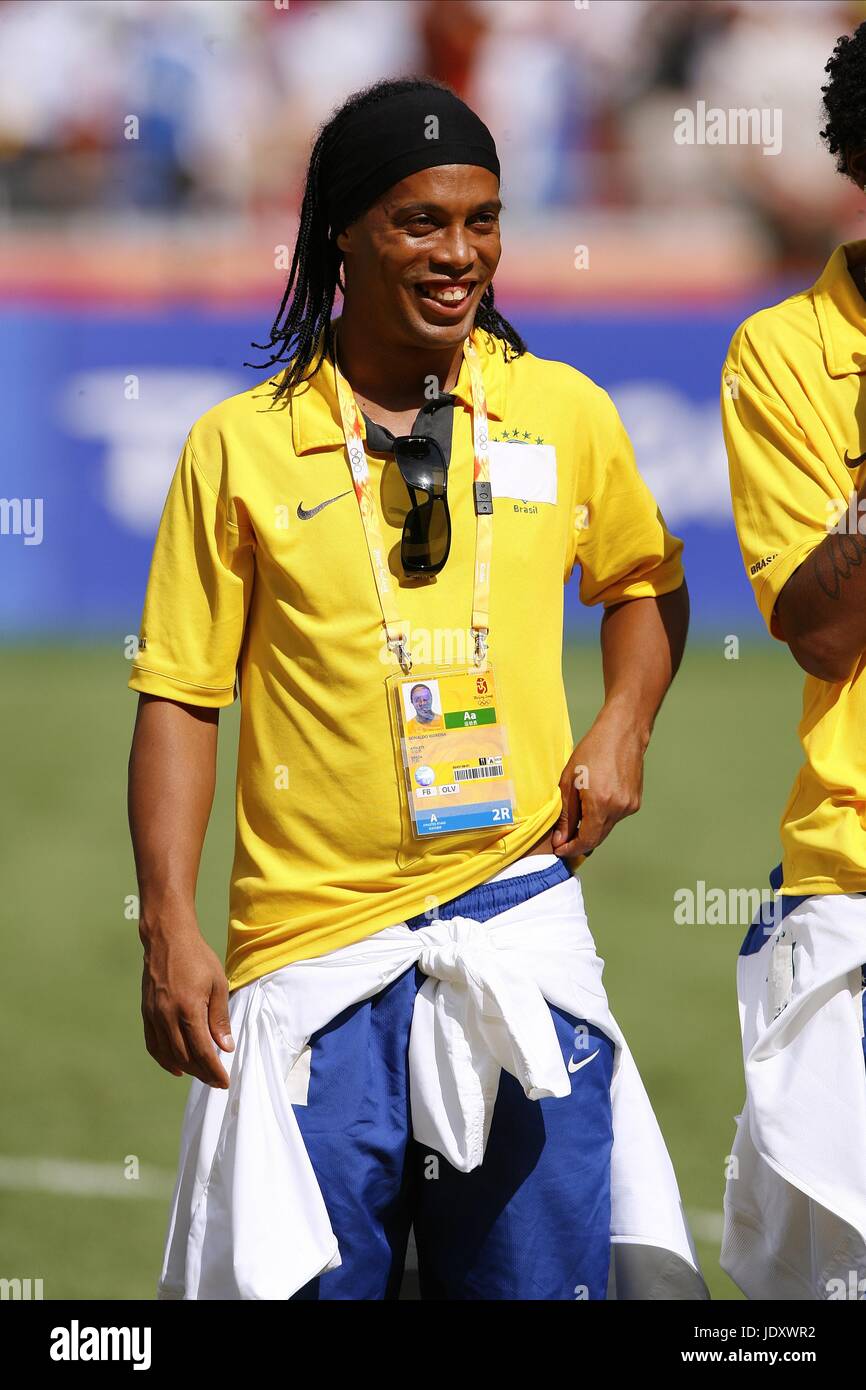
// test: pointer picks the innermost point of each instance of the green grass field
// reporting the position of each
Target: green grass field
(78, 1086)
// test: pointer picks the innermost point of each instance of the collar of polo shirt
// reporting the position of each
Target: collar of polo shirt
(316, 410)
(841, 312)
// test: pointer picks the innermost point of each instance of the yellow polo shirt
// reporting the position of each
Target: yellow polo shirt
(793, 406)
(251, 573)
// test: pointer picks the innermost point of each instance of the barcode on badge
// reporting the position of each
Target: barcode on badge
(492, 767)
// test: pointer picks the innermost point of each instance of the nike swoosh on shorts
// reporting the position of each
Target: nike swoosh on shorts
(576, 1066)
(305, 514)
(854, 463)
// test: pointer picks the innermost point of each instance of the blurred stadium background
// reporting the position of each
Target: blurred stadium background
(152, 154)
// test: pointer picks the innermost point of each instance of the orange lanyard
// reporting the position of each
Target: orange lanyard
(396, 631)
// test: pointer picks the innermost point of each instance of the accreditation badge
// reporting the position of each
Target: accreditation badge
(454, 751)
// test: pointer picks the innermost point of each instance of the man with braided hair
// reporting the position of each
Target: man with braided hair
(792, 404)
(417, 1034)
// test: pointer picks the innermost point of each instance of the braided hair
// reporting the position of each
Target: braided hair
(303, 320)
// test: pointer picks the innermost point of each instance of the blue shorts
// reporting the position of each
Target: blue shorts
(533, 1222)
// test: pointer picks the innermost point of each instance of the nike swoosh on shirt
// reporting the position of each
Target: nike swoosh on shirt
(576, 1066)
(854, 463)
(305, 513)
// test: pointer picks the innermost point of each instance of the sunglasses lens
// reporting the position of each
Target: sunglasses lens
(426, 537)
(422, 464)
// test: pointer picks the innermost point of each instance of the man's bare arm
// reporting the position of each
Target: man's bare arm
(642, 643)
(821, 611)
(184, 992)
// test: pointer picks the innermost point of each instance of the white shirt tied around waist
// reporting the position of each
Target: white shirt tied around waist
(795, 1204)
(248, 1220)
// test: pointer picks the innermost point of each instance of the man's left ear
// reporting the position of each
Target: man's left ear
(856, 162)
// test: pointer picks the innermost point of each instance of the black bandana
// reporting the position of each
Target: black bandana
(398, 136)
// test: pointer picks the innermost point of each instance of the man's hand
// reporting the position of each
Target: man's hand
(185, 1002)
(642, 641)
(601, 784)
(184, 992)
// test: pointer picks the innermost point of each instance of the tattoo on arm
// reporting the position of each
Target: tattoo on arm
(835, 560)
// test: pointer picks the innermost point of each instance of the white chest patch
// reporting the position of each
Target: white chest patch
(524, 471)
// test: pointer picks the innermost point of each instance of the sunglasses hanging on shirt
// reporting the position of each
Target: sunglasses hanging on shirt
(427, 529)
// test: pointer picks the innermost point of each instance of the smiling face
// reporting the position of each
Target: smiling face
(419, 260)
(422, 699)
